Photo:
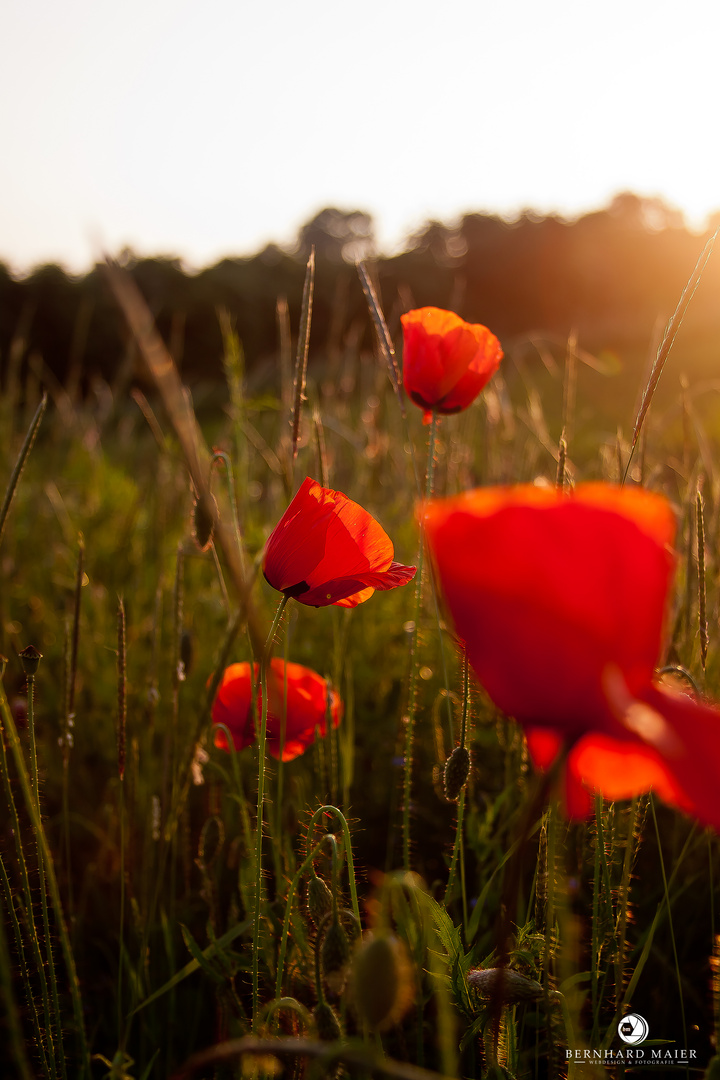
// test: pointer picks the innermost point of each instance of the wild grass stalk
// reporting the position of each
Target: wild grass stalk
(702, 593)
(44, 1033)
(67, 736)
(30, 658)
(233, 360)
(20, 463)
(51, 880)
(301, 361)
(121, 748)
(665, 346)
(7, 978)
(384, 340)
(10, 1011)
(668, 908)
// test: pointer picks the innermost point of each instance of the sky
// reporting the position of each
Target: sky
(201, 130)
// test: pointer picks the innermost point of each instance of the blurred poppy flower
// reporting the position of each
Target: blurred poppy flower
(306, 707)
(327, 550)
(560, 601)
(446, 361)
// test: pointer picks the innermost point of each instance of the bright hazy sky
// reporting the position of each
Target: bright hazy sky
(209, 127)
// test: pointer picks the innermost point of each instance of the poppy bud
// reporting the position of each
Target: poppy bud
(335, 958)
(382, 981)
(319, 899)
(326, 1022)
(457, 770)
(203, 521)
(511, 985)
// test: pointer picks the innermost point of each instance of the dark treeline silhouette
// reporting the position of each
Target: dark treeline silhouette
(609, 276)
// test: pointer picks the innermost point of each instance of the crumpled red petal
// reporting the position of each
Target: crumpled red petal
(327, 549)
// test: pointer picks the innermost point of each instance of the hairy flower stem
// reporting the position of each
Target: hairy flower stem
(412, 691)
(261, 798)
(277, 847)
(457, 846)
(16, 1042)
(288, 911)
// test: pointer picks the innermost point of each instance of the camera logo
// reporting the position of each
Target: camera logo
(633, 1029)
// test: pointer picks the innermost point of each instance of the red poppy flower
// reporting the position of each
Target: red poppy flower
(306, 707)
(560, 601)
(446, 361)
(327, 550)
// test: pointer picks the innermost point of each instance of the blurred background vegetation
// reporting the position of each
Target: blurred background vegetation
(610, 278)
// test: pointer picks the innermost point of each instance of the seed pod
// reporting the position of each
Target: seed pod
(30, 658)
(335, 958)
(510, 984)
(457, 770)
(203, 522)
(382, 981)
(326, 1022)
(319, 899)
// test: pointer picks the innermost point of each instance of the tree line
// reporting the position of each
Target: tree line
(608, 277)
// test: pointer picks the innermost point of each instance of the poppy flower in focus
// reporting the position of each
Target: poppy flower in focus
(560, 601)
(446, 361)
(307, 707)
(327, 550)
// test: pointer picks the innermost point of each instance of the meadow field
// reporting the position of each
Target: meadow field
(407, 894)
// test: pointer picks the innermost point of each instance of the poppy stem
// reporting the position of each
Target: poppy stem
(412, 690)
(261, 797)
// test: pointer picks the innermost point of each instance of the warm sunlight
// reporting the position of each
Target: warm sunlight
(206, 129)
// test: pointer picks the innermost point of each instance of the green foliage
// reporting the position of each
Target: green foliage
(589, 917)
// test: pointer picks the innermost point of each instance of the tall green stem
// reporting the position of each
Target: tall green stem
(261, 798)
(412, 694)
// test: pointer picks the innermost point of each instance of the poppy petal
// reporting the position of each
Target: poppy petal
(323, 535)
(621, 769)
(345, 589)
(446, 361)
(232, 708)
(304, 709)
(694, 758)
(548, 590)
